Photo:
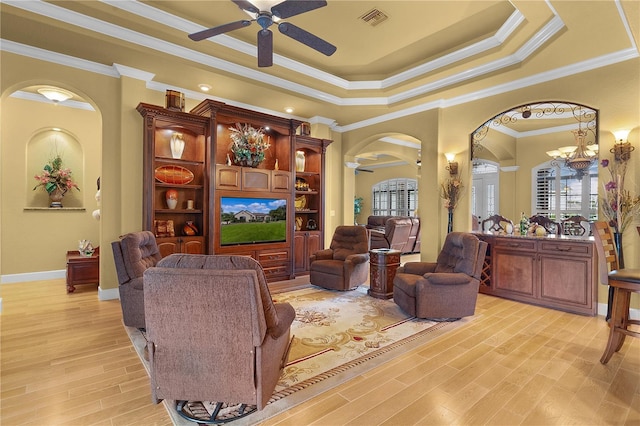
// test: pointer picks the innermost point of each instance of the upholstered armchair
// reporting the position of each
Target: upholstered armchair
(213, 331)
(345, 264)
(133, 254)
(446, 289)
(397, 231)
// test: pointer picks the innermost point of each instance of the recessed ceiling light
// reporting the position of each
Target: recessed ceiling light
(204, 87)
(288, 110)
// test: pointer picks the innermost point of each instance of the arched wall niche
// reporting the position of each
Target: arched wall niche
(28, 142)
(41, 149)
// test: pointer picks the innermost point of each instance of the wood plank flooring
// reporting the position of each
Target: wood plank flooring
(67, 360)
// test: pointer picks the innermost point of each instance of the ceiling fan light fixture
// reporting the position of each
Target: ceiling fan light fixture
(55, 94)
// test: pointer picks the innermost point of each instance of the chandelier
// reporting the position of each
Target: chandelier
(578, 157)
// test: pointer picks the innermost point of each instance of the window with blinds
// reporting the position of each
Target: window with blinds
(559, 194)
(395, 197)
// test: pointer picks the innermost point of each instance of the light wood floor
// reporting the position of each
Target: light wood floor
(67, 360)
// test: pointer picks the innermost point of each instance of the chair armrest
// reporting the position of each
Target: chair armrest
(418, 268)
(322, 255)
(286, 314)
(358, 258)
(447, 278)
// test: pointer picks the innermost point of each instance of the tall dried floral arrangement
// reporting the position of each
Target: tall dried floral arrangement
(618, 205)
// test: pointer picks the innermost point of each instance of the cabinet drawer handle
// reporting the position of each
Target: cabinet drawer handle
(514, 245)
(563, 248)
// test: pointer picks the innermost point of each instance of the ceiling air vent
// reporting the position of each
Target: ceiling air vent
(374, 17)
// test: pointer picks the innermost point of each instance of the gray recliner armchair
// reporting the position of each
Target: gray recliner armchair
(345, 264)
(446, 289)
(133, 254)
(213, 331)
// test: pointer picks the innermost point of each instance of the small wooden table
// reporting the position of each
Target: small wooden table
(384, 263)
(82, 270)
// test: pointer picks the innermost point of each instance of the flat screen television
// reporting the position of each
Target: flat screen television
(252, 220)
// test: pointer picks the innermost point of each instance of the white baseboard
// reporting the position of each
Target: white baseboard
(103, 294)
(634, 314)
(33, 276)
(108, 294)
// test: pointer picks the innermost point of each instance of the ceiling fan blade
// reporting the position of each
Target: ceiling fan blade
(265, 48)
(289, 8)
(307, 38)
(245, 5)
(204, 34)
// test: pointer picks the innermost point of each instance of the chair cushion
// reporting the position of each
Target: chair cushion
(349, 240)
(458, 253)
(139, 251)
(220, 262)
(333, 266)
(406, 283)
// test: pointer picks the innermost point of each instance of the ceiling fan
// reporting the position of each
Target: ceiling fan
(265, 19)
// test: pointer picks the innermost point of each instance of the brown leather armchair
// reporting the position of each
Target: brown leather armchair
(133, 254)
(447, 289)
(397, 231)
(213, 331)
(345, 264)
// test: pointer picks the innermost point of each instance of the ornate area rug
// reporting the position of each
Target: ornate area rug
(336, 336)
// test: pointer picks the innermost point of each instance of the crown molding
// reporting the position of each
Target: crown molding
(163, 18)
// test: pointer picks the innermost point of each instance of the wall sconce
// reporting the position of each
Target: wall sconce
(622, 148)
(55, 94)
(453, 165)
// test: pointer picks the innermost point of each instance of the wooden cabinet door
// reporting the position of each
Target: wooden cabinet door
(566, 283)
(192, 245)
(514, 272)
(313, 244)
(299, 252)
(168, 246)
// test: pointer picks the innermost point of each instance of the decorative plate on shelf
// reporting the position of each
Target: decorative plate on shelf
(174, 174)
(301, 202)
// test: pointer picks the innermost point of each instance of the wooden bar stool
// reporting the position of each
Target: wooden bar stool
(623, 282)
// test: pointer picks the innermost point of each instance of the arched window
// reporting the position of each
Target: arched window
(558, 193)
(395, 197)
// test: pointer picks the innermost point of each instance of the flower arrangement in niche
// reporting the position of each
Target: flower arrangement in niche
(248, 145)
(450, 191)
(55, 177)
(618, 205)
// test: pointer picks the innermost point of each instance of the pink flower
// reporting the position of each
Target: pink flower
(611, 185)
(604, 162)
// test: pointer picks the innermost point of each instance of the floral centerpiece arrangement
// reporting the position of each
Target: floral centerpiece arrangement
(618, 205)
(248, 145)
(55, 178)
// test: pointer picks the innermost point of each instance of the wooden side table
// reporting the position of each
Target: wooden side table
(82, 270)
(383, 266)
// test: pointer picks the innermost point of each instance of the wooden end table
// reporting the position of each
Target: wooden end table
(384, 263)
(82, 270)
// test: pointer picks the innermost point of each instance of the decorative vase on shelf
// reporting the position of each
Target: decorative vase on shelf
(172, 198)
(177, 145)
(189, 228)
(450, 221)
(56, 198)
(300, 160)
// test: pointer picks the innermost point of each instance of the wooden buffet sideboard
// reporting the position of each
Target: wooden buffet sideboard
(555, 272)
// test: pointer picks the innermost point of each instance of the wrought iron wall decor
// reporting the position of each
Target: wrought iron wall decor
(586, 117)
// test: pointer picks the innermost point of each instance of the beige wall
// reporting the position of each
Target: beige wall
(439, 131)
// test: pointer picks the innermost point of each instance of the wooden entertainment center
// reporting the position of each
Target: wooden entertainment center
(200, 178)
